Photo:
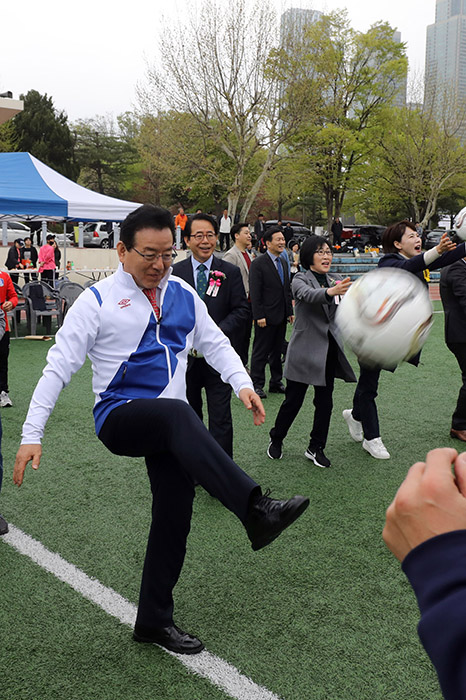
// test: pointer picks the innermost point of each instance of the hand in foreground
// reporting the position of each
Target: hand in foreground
(25, 454)
(340, 288)
(445, 244)
(261, 322)
(7, 306)
(254, 404)
(430, 501)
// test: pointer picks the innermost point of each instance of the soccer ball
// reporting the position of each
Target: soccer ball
(385, 317)
(460, 224)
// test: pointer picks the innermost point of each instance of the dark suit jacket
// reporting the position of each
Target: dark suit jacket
(453, 294)
(259, 229)
(270, 299)
(229, 309)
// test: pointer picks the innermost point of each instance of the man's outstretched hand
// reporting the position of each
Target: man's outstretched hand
(25, 454)
(254, 404)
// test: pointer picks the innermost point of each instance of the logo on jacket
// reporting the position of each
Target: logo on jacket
(124, 303)
(1, 282)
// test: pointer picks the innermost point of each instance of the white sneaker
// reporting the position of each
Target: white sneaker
(354, 426)
(5, 400)
(376, 448)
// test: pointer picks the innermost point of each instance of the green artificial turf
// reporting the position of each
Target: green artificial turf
(324, 613)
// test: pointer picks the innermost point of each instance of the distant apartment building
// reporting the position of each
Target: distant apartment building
(445, 72)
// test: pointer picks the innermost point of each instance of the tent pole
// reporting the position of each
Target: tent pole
(64, 248)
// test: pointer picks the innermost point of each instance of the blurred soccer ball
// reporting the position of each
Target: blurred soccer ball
(385, 317)
(460, 224)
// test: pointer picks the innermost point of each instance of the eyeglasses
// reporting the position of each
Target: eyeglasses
(198, 237)
(323, 252)
(151, 257)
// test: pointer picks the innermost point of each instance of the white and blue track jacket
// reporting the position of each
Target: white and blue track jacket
(133, 355)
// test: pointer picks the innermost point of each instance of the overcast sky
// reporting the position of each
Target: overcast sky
(89, 56)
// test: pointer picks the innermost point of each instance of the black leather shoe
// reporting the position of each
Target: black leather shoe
(260, 392)
(277, 388)
(3, 525)
(171, 638)
(267, 518)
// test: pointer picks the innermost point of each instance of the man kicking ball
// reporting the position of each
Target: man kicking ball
(137, 327)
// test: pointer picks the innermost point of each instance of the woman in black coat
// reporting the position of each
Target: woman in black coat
(402, 247)
(13, 260)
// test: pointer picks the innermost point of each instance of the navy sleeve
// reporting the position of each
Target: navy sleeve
(417, 263)
(437, 572)
(449, 258)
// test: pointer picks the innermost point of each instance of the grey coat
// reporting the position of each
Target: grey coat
(314, 319)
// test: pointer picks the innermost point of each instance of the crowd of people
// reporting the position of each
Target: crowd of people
(190, 328)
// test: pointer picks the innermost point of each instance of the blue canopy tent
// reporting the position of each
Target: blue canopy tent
(31, 191)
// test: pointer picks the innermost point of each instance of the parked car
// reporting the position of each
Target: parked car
(59, 237)
(300, 232)
(434, 236)
(15, 229)
(98, 234)
(362, 236)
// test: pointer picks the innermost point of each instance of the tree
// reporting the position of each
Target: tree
(218, 71)
(171, 148)
(7, 137)
(44, 132)
(419, 158)
(106, 153)
(354, 75)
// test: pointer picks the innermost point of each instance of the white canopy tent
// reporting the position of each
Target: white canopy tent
(31, 191)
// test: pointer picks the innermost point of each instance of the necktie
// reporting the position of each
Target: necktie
(150, 294)
(201, 285)
(280, 269)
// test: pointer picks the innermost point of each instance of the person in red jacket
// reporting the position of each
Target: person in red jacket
(8, 301)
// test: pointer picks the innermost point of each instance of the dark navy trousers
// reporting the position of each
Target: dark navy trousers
(179, 452)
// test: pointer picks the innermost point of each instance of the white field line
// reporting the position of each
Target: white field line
(216, 670)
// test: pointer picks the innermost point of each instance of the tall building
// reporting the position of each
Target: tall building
(402, 87)
(294, 20)
(445, 74)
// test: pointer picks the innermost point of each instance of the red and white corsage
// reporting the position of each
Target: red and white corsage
(216, 279)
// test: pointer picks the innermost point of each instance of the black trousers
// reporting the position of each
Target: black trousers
(323, 404)
(243, 345)
(201, 376)
(224, 241)
(179, 452)
(4, 352)
(364, 406)
(458, 421)
(267, 347)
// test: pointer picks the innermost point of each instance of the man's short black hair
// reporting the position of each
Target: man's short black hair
(199, 217)
(147, 216)
(237, 228)
(309, 248)
(270, 231)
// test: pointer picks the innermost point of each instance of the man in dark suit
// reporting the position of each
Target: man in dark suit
(269, 288)
(220, 285)
(453, 294)
(259, 229)
(337, 230)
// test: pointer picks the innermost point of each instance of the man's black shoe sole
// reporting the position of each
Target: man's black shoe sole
(293, 515)
(176, 650)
